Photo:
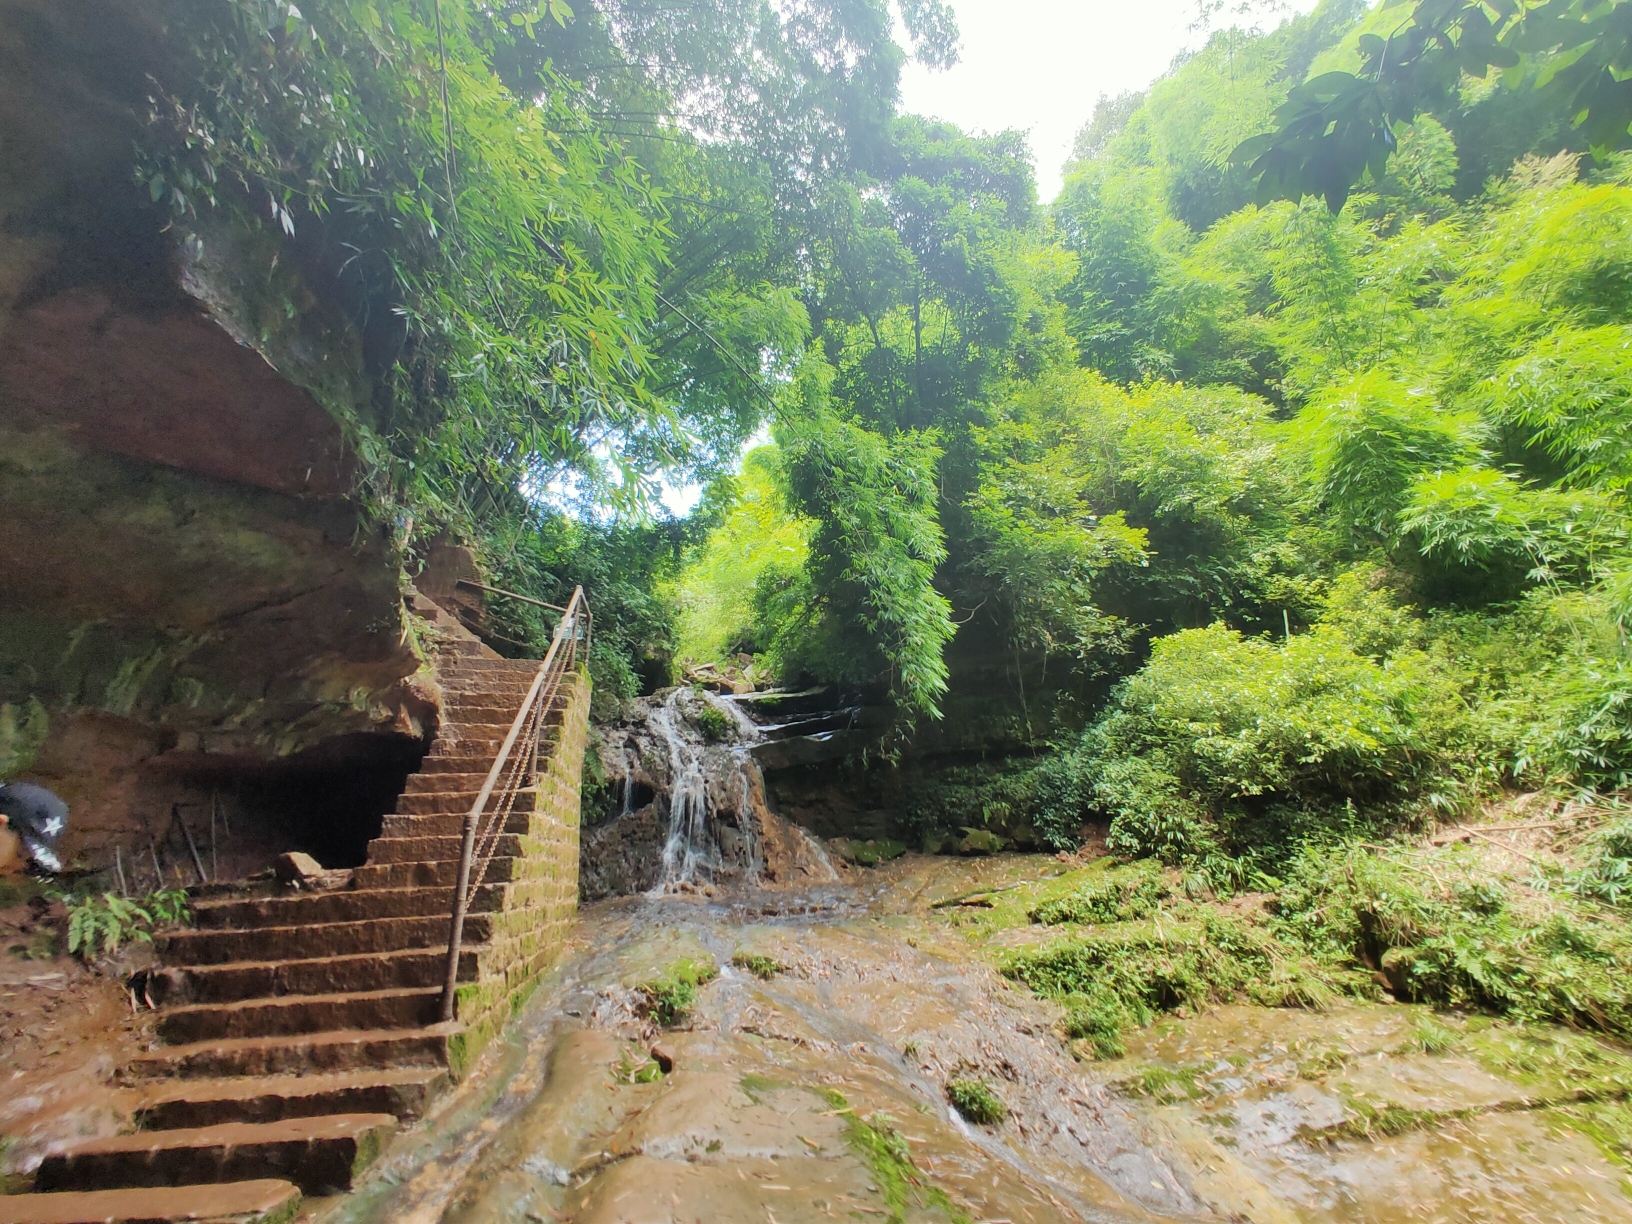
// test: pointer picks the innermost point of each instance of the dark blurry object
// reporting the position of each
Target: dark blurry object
(37, 818)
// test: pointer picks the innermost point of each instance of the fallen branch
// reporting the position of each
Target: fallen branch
(973, 897)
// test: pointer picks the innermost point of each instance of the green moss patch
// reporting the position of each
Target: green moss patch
(881, 1146)
(668, 999)
(763, 967)
(976, 1102)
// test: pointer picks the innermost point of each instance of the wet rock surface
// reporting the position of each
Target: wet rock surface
(687, 804)
(819, 1093)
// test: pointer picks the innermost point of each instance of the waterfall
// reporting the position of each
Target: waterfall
(700, 775)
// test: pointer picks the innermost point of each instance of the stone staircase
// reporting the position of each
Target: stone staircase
(300, 1030)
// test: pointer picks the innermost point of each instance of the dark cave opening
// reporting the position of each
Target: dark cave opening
(328, 802)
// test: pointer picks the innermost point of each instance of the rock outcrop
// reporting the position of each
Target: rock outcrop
(187, 584)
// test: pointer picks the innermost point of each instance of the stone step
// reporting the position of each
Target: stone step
(309, 1053)
(477, 710)
(346, 905)
(266, 1201)
(478, 750)
(501, 869)
(431, 802)
(496, 665)
(320, 1155)
(488, 690)
(432, 850)
(286, 1015)
(228, 983)
(333, 938)
(445, 824)
(437, 783)
(405, 1094)
(490, 709)
(477, 758)
(489, 729)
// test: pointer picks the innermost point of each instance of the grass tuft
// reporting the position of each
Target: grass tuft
(669, 999)
(976, 1102)
(763, 967)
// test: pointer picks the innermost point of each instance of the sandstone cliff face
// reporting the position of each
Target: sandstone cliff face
(188, 590)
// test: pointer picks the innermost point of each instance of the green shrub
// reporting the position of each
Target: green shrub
(1431, 1037)
(1122, 977)
(1608, 877)
(976, 1102)
(99, 926)
(1552, 958)
(1031, 801)
(1100, 1017)
(1225, 741)
(713, 723)
(1122, 896)
(669, 999)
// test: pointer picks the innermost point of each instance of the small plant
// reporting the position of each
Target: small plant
(1432, 1037)
(1608, 878)
(631, 1071)
(1100, 1016)
(42, 945)
(669, 999)
(911, 1049)
(1167, 1085)
(976, 1102)
(714, 723)
(99, 926)
(763, 967)
(1321, 1062)
(16, 892)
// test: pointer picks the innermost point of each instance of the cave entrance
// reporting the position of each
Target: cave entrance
(328, 802)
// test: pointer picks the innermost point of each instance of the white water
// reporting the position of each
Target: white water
(692, 853)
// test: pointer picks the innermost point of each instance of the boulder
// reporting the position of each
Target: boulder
(979, 841)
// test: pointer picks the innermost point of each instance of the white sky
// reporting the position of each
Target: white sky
(1039, 65)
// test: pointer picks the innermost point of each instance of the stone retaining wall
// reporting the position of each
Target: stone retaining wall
(530, 929)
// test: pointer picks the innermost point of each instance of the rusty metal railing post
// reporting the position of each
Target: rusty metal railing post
(547, 680)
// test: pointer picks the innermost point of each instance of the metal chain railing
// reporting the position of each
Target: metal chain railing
(514, 769)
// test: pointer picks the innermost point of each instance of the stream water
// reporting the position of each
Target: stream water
(883, 999)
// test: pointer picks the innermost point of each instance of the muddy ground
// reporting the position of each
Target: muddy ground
(820, 1093)
(65, 1029)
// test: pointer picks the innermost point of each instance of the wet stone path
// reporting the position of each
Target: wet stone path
(819, 1093)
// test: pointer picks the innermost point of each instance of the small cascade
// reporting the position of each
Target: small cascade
(685, 805)
(712, 787)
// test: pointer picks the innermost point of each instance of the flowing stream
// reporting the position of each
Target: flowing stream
(809, 1080)
(819, 1093)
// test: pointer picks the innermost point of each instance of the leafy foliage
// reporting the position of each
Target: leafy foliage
(22, 734)
(1339, 126)
(100, 926)
(508, 249)
(1122, 896)
(872, 602)
(757, 538)
(763, 967)
(1233, 741)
